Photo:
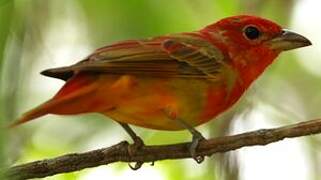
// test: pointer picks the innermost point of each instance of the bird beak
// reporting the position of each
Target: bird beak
(288, 40)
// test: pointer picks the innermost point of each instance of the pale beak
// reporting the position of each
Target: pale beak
(288, 40)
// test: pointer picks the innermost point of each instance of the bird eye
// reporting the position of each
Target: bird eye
(251, 32)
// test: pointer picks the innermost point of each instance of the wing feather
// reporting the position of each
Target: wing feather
(183, 55)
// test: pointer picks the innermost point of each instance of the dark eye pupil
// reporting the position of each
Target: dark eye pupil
(251, 32)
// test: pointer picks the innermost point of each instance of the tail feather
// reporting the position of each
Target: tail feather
(67, 101)
(30, 115)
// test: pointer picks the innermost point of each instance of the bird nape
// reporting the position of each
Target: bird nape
(170, 82)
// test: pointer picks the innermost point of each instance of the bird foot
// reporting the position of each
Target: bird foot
(137, 145)
(133, 149)
(197, 137)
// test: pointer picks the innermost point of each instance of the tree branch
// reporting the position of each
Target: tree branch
(120, 151)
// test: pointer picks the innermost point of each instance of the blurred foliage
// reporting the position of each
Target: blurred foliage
(6, 8)
(37, 34)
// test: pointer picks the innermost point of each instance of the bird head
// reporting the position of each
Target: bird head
(252, 43)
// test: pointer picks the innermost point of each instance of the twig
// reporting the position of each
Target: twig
(120, 151)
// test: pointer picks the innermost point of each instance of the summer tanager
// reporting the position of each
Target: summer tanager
(170, 82)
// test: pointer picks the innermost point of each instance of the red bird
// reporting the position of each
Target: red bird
(170, 82)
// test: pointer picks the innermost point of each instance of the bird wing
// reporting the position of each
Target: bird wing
(181, 55)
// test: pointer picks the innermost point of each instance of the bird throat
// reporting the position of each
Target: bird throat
(252, 64)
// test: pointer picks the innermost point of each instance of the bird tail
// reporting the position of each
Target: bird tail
(30, 115)
(66, 101)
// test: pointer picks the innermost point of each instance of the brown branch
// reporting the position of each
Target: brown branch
(120, 151)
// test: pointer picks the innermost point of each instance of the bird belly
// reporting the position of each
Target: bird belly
(156, 102)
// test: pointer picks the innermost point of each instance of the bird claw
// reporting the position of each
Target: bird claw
(137, 166)
(197, 137)
(133, 149)
(199, 159)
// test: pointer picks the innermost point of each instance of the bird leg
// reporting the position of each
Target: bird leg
(137, 140)
(138, 144)
(197, 137)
